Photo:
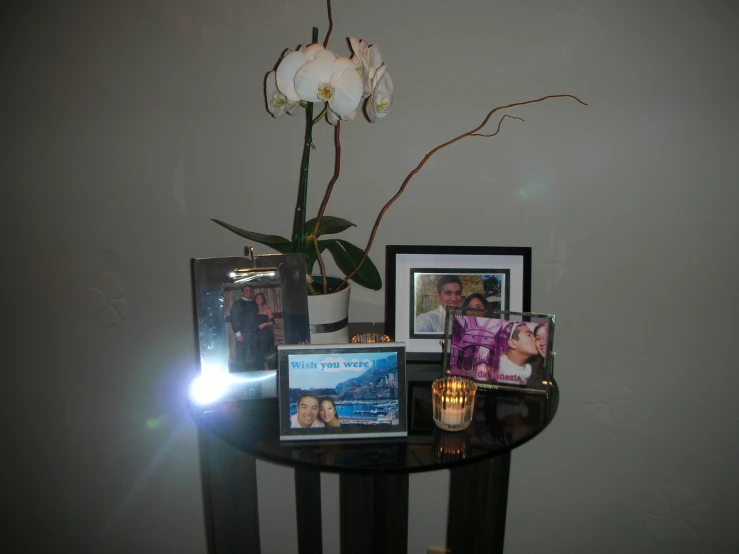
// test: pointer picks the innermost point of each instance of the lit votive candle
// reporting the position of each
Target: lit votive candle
(453, 401)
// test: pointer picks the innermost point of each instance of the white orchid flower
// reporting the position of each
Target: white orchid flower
(367, 61)
(381, 99)
(277, 103)
(291, 64)
(330, 80)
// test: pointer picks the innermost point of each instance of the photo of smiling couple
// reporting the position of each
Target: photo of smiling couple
(360, 389)
(501, 351)
(315, 411)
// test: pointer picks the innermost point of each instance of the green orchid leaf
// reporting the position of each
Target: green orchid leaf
(330, 225)
(281, 244)
(347, 256)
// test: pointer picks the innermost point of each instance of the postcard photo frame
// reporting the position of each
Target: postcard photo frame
(342, 391)
(500, 349)
(417, 277)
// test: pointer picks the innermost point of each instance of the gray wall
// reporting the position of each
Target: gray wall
(127, 125)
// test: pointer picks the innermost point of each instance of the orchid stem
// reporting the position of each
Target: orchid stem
(330, 24)
(301, 206)
(324, 202)
(473, 132)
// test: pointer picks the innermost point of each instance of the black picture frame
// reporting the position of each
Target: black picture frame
(402, 260)
(364, 384)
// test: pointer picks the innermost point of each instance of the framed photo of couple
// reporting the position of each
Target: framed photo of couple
(342, 391)
(244, 309)
(422, 281)
(500, 349)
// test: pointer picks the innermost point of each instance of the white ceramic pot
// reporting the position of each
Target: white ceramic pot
(329, 316)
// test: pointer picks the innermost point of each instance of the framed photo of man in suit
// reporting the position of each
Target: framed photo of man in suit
(254, 312)
(245, 307)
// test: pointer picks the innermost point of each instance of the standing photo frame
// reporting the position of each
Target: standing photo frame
(420, 281)
(342, 391)
(500, 349)
(244, 308)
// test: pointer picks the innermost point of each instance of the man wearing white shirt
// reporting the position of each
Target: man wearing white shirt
(513, 368)
(448, 293)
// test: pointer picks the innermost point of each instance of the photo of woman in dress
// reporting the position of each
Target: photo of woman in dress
(327, 412)
(265, 331)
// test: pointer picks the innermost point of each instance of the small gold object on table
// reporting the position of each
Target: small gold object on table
(370, 337)
(453, 400)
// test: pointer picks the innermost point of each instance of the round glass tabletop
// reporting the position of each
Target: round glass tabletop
(502, 421)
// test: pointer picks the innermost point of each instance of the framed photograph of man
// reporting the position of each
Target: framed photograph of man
(432, 290)
(342, 391)
(422, 281)
(245, 308)
(500, 349)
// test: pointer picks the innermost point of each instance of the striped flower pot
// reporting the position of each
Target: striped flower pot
(329, 314)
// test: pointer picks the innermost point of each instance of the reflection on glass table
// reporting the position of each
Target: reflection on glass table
(373, 473)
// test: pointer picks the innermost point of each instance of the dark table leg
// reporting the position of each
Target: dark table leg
(308, 511)
(229, 496)
(478, 497)
(374, 514)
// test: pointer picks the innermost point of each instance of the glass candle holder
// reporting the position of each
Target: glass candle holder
(453, 400)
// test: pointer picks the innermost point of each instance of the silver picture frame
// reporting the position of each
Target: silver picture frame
(500, 349)
(218, 284)
(342, 391)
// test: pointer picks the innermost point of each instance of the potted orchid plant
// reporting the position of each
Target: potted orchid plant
(339, 89)
(340, 86)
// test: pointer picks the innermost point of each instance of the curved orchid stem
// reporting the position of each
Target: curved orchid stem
(330, 24)
(324, 203)
(337, 166)
(426, 158)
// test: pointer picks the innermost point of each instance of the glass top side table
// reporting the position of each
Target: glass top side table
(373, 473)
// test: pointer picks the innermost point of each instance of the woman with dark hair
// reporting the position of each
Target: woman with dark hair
(265, 329)
(473, 302)
(537, 361)
(327, 412)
